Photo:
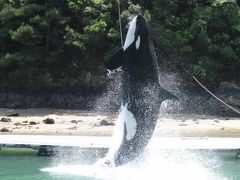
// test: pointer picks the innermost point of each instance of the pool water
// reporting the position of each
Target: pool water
(230, 166)
(26, 165)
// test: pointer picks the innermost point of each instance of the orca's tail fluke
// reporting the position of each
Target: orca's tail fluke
(165, 95)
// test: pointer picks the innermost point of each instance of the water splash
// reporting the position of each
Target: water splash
(156, 164)
(110, 99)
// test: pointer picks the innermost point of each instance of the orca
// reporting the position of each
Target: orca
(142, 94)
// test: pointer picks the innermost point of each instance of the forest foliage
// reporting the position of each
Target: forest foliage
(46, 42)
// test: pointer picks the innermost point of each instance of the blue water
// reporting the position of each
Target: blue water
(170, 165)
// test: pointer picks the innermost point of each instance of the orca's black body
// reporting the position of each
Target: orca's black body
(142, 93)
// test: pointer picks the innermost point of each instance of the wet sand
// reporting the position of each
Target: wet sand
(75, 122)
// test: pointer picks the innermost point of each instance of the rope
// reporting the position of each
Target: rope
(120, 22)
(235, 110)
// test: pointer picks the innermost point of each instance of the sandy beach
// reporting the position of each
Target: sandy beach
(75, 122)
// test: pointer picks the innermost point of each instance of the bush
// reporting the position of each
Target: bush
(61, 40)
(207, 32)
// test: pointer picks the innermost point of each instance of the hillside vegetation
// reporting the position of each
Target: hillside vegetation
(67, 42)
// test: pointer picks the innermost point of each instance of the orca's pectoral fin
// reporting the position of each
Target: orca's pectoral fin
(165, 95)
(115, 61)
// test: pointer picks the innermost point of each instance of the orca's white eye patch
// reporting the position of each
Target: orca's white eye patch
(138, 42)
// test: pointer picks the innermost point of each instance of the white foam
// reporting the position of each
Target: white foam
(157, 165)
(93, 171)
(130, 34)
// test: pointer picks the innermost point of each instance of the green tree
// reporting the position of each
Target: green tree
(206, 33)
(56, 42)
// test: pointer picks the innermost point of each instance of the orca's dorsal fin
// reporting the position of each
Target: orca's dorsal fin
(165, 95)
(116, 60)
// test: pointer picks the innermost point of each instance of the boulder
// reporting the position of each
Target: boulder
(32, 123)
(49, 121)
(74, 121)
(18, 124)
(4, 129)
(4, 119)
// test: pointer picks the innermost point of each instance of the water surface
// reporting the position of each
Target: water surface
(161, 164)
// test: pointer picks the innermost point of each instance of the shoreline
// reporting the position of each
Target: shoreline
(86, 123)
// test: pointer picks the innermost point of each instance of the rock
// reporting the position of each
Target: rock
(216, 121)
(49, 121)
(4, 119)
(13, 115)
(18, 124)
(182, 124)
(74, 121)
(4, 130)
(105, 123)
(32, 123)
